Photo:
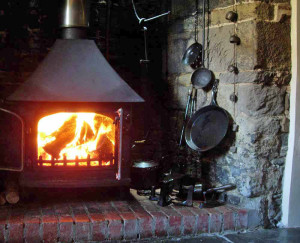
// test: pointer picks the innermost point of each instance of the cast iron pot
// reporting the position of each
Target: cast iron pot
(144, 174)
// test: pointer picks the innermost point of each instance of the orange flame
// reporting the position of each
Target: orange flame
(73, 136)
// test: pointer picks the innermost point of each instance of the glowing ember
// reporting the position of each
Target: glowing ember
(76, 136)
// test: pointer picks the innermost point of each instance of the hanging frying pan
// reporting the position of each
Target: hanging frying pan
(207, 127)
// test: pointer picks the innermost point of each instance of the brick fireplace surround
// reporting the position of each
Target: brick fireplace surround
(111, 219)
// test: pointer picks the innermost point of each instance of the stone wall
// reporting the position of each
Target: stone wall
(252, 156)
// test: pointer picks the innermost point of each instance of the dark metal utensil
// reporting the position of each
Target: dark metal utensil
(234, 39)
(202, 76)
(207, 127)
(193, 53)
(189, 111)
(213, 202)
(144, 174)
(231, 16)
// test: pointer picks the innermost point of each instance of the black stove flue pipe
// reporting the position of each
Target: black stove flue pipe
(74, 19)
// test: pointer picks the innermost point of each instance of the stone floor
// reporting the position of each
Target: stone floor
(84, 216)
(258, 236)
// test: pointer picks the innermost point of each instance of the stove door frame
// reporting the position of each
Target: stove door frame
(103, 177)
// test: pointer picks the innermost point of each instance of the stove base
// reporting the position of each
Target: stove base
(72, 179)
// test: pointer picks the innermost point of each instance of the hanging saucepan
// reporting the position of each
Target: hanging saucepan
(207, 127)
(202, 77)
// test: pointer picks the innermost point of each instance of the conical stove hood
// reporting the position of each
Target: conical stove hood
(75, 71)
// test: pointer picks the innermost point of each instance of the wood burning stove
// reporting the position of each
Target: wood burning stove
(73, 116)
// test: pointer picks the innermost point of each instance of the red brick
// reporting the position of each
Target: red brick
(145, 221)
(202, 220)
(99, 224)
(65, 228)
(122, 206)
(130, 220)
(2, 233)
(160, 220)
(4, 214)
(50, 228)
(82, 223)
(150, 206)
(114, 221)
(174, 221)
(99, 227)
(189, 220)
(65, 222)
(32, 225)
(228, 217)
(215, 220)
(62, 209)
(130, 225)
(145, 225)
(15, 232)
(32, 229)
(114, 226)
(241, 217)
(15, 226)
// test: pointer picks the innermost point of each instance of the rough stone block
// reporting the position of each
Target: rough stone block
(259, 100)
(282, 11)
(223, 97)
(258, 77)
(182, 8)
(274, 52)
(177, 45)
(245, 11)
(185, 79)
(246, 57)
(220, 3)
(221, 51)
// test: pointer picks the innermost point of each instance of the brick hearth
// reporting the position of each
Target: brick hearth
(111, 219)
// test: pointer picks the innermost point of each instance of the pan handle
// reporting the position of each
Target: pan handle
(214, 91)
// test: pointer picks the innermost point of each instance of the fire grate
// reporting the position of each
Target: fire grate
(107, 161)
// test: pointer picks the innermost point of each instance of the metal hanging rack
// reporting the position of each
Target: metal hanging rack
(145, 29)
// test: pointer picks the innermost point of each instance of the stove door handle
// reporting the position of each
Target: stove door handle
(119, 173)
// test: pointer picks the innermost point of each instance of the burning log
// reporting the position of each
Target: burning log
(2, 199)
(105, 146)
(86, 133)
(12, 192)
(63, 136)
